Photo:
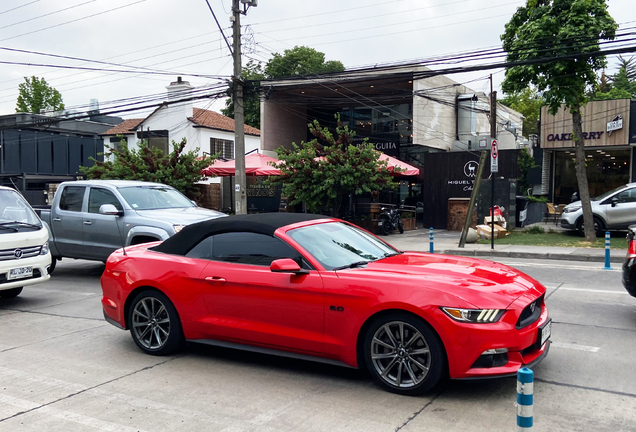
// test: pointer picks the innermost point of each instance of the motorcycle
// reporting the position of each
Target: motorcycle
(390, 220)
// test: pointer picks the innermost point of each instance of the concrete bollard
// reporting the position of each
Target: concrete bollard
(525, 390)
(430, 231)
(607, 251)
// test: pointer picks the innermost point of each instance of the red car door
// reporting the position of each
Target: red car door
(248, 303)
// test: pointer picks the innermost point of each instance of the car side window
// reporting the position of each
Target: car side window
(98, 197)
(628, 195)
(203, 250)
(252, 248)
(72, 197)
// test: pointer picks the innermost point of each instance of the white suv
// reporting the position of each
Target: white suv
(24, 245)
(614, 210)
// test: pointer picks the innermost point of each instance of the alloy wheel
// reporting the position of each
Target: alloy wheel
(151, 323)
(400, 354)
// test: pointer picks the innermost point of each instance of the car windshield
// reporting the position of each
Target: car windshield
(607, 194)
(15, 211)
(154, 197)
(338, 245)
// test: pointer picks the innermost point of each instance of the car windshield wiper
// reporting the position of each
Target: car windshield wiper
(353, 265)
(4, 224)
(14, 229)
(386, 255)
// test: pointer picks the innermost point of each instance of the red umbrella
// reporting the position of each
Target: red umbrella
(256, 164)
(392, 163)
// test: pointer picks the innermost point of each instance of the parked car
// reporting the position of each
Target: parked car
(91, 219)
(312, 287)
(613, 211)
(629, 266)
(24, 246)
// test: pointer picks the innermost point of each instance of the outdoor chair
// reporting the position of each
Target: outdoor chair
(554, 212)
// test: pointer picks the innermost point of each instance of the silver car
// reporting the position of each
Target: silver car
(613, 211)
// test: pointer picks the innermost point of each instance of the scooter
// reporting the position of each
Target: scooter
(390, 220)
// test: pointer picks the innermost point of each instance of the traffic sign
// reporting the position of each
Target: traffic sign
(494, 156)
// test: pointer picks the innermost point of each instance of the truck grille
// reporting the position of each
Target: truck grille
(19, 253)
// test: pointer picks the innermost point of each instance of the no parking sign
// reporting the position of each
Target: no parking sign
(494, 157)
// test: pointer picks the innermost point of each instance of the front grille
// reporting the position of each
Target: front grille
(530, 313)
(4, 279)
(19, 253)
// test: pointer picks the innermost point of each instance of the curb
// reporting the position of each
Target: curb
(531, 255)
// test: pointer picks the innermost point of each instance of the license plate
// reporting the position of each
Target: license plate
(545, 332)
(21, 272)
(380, 223)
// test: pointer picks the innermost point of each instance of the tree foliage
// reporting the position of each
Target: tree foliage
(36, 95)
(298, 61)
(529, 103)
(543, 32)
(328, 168)
(179, 169)
(621, 85)
(525, 161)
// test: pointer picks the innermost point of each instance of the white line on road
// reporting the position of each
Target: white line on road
(575, 347)
(593, 290)
(597, 266)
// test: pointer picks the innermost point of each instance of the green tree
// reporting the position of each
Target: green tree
(621, 85)
(328, 168)
(36, 95)
(543, 32)
(529, 103)
(300, 60)
(179, 169)
(525, 161)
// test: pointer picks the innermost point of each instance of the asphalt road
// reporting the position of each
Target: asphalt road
(63, 368)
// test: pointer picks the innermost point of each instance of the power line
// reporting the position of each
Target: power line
(48, 14)
(219, 26)
(18, 7)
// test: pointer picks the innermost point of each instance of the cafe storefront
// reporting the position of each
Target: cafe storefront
(610, 136)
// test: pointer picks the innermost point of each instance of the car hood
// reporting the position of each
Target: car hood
(183, 216)
(484, 284)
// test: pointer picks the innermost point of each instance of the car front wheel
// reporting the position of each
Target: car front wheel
(599, 227)
(403, 354)
(154, 323)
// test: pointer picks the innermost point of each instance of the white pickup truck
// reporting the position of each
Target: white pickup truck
(24, 246)
(93, 218)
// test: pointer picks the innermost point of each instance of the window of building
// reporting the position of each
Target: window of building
(72, 197)
(156, 139)
(225, 148)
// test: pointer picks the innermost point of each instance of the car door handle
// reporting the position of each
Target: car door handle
(57, 219)
(88, 223)
(215, 279)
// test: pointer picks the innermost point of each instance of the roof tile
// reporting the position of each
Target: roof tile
(214, 120)
(123, 128)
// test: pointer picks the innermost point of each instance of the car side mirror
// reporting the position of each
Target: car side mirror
(109, 209)
(614, 201)
(287, 265)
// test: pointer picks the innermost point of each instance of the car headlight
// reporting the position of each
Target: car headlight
(45, 248)
(475, 316)
(177, 227)
(571, 209)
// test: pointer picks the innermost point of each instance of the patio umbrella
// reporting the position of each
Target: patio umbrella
(393, 163)
(256, 164)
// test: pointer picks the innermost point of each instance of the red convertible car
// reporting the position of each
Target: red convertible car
(320, 288)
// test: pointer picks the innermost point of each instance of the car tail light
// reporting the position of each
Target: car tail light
(631, 252)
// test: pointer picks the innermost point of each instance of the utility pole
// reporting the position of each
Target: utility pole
(493, 135)
(240, 197)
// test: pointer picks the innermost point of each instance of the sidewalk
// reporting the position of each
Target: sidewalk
(447, 242)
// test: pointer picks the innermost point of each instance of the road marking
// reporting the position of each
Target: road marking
(575, 347)
(552, 265)
(593, 290)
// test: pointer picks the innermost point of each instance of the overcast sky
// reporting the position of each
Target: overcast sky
(181, 36)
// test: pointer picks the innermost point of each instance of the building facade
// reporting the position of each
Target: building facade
(609, 132)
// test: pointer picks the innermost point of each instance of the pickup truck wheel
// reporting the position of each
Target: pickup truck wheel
(10, 293)
(53, 264)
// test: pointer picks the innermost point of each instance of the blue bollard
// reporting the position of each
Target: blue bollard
(607, 251)
(525, 390)
(431, 239)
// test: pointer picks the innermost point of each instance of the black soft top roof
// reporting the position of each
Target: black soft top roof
(265, 223)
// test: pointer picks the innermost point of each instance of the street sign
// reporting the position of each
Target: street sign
(494, 157)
